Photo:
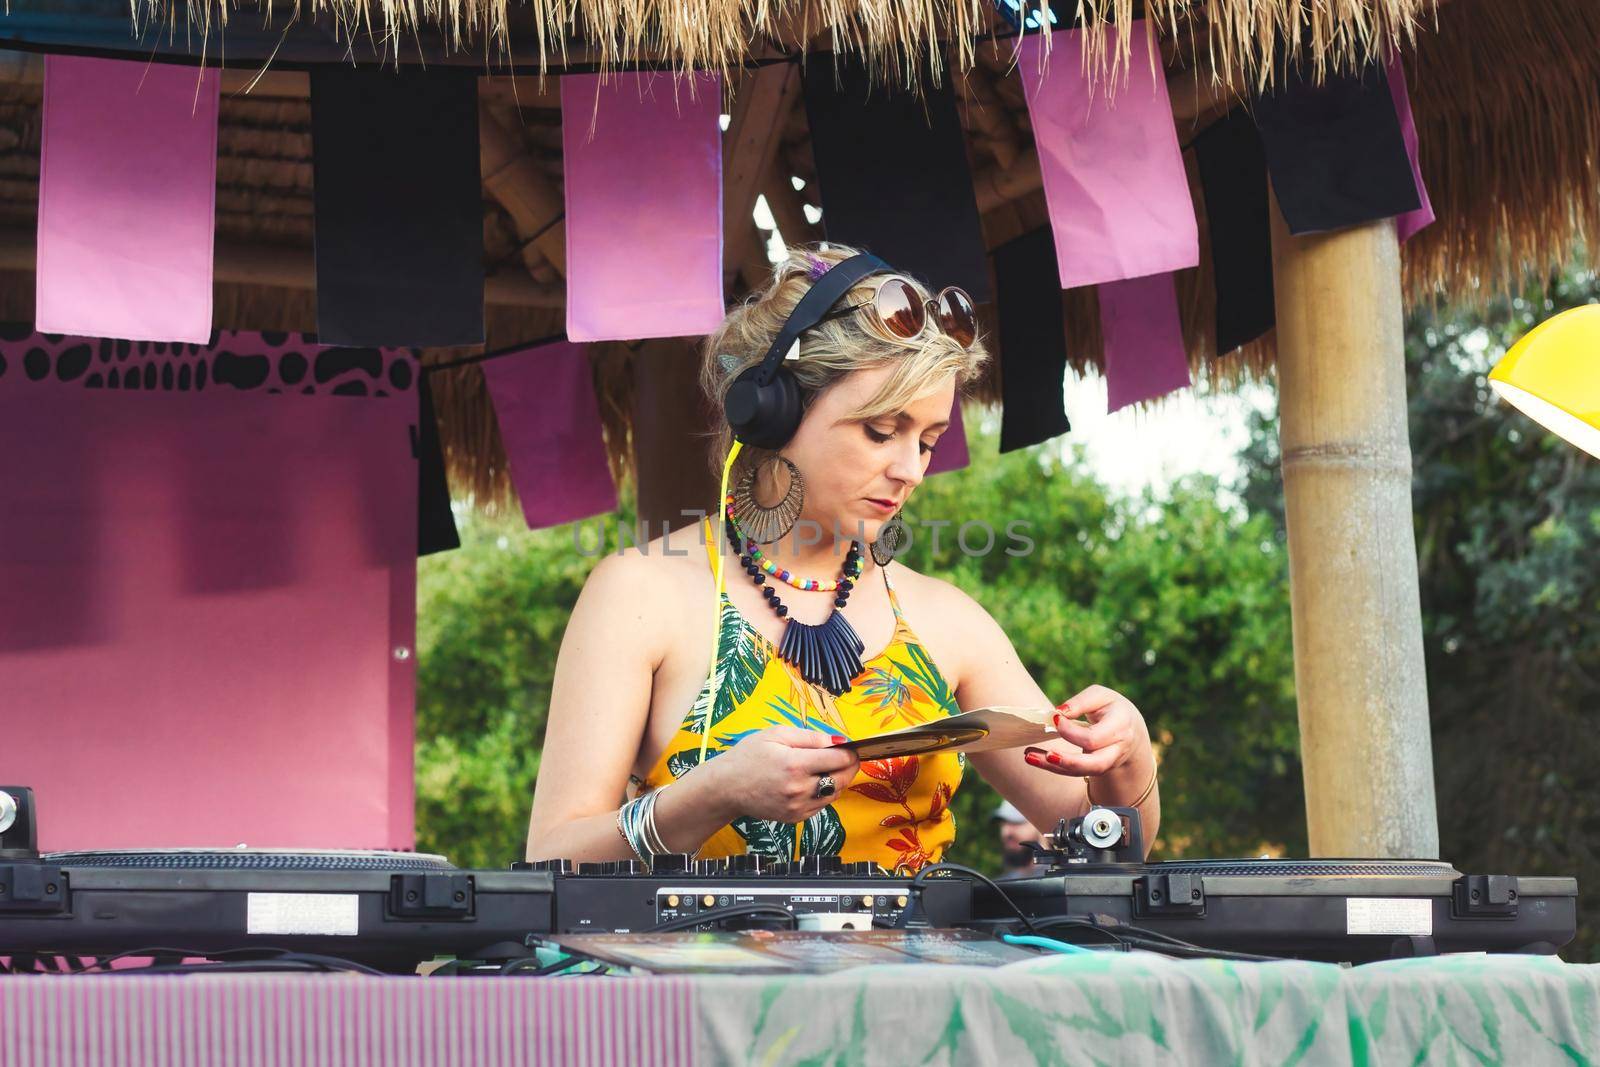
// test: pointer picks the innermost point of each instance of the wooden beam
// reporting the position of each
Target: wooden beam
(989, 115)
(512, 176)
(294, 268)
(997, 185)
(1358, 664)
(755, 129)
(788, 208)
(671, 426)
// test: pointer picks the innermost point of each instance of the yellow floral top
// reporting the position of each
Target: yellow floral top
(897, 811)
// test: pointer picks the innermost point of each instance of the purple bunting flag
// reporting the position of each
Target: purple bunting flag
(550, 423)
(1144, 352)
(127, 193)
(643, 164)
(1408, 224)
(1114, 181)
(951, 454)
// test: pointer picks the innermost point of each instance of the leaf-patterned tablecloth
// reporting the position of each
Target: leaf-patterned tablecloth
(1138, 1008)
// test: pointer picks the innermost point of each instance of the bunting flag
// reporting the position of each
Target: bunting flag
(893, 174)
(436, 523)
(550, 423)
(127, 195)
(1335, 150)
(951, 453)
(643, 165)
(399, 206)
(1114, 180)
(1144, 351)
(1409, 223)
(1233, 182)
(1033, 343)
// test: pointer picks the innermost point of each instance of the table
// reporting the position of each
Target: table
(1098, 1008)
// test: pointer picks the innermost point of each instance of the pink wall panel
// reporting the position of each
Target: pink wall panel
(202, 595)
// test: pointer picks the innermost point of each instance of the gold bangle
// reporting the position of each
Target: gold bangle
(1148, 789)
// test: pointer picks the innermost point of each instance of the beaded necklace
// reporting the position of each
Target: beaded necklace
(827, 654)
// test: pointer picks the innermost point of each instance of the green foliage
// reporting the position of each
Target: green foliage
(1180, 603)
(490, 616)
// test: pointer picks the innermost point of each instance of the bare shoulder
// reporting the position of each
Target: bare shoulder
(659, 574)
(956, 628)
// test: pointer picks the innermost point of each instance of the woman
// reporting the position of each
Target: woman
(877, 376)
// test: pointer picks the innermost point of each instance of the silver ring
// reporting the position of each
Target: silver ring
(826, 787)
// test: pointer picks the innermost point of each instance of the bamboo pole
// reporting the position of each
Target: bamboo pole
(1363, 700)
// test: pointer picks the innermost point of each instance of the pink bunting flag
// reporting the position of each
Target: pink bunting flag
(127, 190)
(1145, 356)
(1114, 181)
(550, 423)
(951, 455)
(1408, 224)
(643, 164)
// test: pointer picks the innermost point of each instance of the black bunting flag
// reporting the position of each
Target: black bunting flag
(436, 523)
(1033, 344)
(1334, 150)
(1233, 180)
(399, 206)
(892, 167)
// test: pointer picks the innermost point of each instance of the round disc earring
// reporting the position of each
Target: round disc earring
(761, 523)
(893, 538)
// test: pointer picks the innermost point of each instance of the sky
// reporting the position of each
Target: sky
(1187, 433)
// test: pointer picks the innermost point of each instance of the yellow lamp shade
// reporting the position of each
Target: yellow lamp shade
(1552, 376)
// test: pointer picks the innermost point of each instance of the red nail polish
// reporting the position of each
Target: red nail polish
(839, 739)
(1033, 759)
(1053, 757)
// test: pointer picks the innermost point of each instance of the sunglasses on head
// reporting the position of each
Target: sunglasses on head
(899, 310)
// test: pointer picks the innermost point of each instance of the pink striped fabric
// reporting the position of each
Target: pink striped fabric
(643, 164)
(1408, 224)
(1114, 181)
(323, 1021)
(127, 189)
(1144, 351)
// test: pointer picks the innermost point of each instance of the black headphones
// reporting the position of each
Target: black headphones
(763, 404)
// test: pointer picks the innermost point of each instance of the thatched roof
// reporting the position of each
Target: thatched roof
(1506, 95)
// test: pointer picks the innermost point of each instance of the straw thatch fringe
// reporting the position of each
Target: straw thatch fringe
(1243, 38)
(1507, 104)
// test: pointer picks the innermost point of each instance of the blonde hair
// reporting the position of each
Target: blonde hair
(830, 350)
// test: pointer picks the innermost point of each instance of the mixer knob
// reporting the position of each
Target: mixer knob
(863, 869)
(673, 862)
(629, 867)
(830, 865)
(782, 870)
(553, 866)
(591, 867)
(748, 864)
(710, 868)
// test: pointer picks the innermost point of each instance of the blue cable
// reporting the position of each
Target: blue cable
(1035, 941)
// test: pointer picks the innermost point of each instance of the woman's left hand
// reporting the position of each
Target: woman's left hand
(1115, 737)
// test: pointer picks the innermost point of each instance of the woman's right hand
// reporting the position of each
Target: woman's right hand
(773, 774)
